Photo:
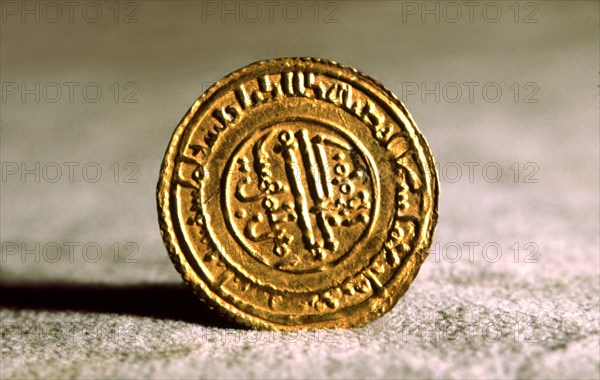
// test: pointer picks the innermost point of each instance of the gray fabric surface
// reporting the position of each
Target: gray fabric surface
(469, 317)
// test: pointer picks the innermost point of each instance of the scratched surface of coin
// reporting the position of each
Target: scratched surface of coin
(298, 193)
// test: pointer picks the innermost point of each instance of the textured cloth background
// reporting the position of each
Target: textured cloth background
(510, 290)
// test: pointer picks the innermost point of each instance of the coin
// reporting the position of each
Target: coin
(298, 193)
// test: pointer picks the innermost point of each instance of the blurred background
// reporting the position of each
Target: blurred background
(505, 92)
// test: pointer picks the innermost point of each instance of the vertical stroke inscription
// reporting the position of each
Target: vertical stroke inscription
(307, 192)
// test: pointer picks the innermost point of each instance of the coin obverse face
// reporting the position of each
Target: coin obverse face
(298, 193)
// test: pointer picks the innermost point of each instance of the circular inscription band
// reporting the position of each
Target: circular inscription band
(298, 193)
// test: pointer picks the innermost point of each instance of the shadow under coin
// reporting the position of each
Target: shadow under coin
(168, 301)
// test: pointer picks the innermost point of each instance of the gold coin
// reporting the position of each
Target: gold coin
(298, 193)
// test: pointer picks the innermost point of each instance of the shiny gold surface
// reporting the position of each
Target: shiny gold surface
(298, 193)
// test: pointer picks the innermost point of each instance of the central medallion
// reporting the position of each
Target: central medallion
(299, 195)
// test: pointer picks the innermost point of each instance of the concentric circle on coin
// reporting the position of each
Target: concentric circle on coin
(298, 193)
